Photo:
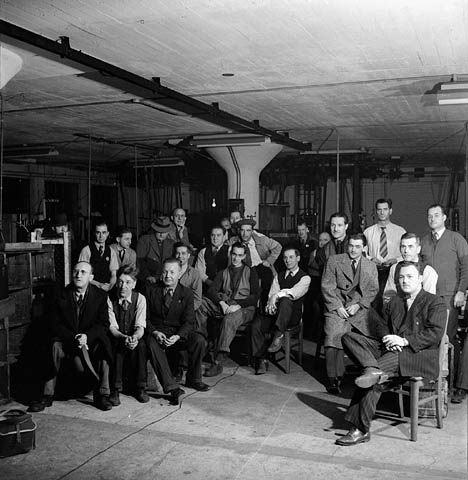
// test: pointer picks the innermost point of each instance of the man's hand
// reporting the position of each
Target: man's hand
(271, 308)
(265, 263)
(352, 309)
(171, 340)
(232, 309)
(160, 337)
(342, 312)
(105, 286)
(459, 299)
(82, 339)
(389, 262)
(376, 261)
(394, 343)
(151, 279)
(131, 342)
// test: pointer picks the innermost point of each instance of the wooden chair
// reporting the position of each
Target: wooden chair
(415, 384)
(298, 332)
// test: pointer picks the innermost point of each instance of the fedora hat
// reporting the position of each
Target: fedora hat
(161, 224)
(245, 221)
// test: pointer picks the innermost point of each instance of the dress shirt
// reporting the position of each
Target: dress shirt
(254, 256)
(393, 233)
(410, 299)
(140, 312)
(129, 258)
(296, 292)
(437, 234)
(85, 256)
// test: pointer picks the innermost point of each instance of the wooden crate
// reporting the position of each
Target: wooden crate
(19, 269)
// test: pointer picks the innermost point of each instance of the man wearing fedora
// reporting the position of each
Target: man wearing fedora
(153, 248)
(261, 253)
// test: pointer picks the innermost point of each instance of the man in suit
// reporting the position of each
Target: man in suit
(349, 285)
(170, 325)
(125, 254)
(406, 345)
(284, 309)
(178, 230)
(153, 248)
(447, 252)
(79, 322)
(304, 243)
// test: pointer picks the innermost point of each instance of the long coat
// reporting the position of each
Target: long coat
(150, 255)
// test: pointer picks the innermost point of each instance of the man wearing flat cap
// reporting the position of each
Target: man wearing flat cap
(261, 253)
(153, 248)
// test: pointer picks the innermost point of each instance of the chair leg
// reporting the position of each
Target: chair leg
(400, 404)
(287, 351)
(414, 400)
(301, 344)
(439, 405)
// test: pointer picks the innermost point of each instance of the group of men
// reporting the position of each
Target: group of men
(384, 296)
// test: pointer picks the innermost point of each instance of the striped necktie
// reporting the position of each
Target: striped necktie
(383, 243)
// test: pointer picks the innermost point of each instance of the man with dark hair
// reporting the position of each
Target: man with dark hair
(79, 322)
(124, 253)
(127, 316)
(153, 248)
(234, 296)
(304, 243)
(447, 252)
(284, 309)
(170, 325)
(189, 276)
(406, 344)
(349, 285)
(102, 258)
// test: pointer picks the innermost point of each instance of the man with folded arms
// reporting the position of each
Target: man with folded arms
(410, 334)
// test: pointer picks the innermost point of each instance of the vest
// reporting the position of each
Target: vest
(237, 292)
(126, 318)
(100, 264)
(290, 282)
(215, 263)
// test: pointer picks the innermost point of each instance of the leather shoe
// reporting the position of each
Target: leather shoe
(261, 366)
(353, 437)
(214, 370)
(277, 343)
(458, 396)
(141, 395)
(334, 385)
(102, 402)
(41, 404)
(175, 394)
(114, 398)
(370, 377)
(200, 386)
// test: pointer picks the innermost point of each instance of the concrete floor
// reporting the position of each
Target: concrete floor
(273, 426)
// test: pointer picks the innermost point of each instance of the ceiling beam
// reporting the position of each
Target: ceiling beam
(117, 77)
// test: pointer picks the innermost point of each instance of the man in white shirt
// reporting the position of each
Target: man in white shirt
(284, 309)
(410, 246)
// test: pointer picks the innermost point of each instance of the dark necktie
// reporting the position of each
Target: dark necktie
(101, 250)
(122, 254)
(353, 266)
(79, 301)
(339, 246)
(383, 243)
(434, 236)
(125, 304)
(168, 298)
(248, 258)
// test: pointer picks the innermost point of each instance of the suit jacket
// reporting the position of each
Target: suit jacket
(423, 326)
(150, 256)
(340, 288)
(267, 248)
(178, 320)
(129, 258)
(174, 235)
(94, 320)
(327, 251)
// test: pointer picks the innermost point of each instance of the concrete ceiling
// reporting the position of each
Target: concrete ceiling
(364, 70)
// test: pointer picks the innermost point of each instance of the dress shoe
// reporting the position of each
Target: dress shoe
(214, 370)
(370, 377)
(102, 402)
(141, 395)
(353, 437)
(458, 396)
(114, 398)
(200, 386)
(175, 394)
(334, 385)
(261, 366)
(276, 343)
(179, 373)
(41, 404)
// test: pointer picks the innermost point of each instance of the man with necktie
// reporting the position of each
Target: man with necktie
(349, 285)
(125, 254)
(447, 252)
(178, 230)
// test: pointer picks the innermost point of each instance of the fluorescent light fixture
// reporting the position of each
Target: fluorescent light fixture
(453, 93)
(30, 151)
(157, 162)
(334, 152)
(232, 140)
(147, 102)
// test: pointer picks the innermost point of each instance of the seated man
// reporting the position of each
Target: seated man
(410, 246)
(189, 276)
(79, 323)
(127, 316)
(170, 327)
(284, 308)
(349, 285)
(125, 254)
(409, 335)
(102, 258)
(178, 231)
(233, 297)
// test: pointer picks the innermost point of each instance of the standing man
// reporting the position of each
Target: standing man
(102, 258)
(79, 323)
(170, 329)
(261, 253)
(178, 231)
(233, 297)
(153, 248)
(410, 334)
(284, 309)
(125, 254)
(383, 240)
(305, 244)
(349, 285)
(447, 252)
(234, 217)
(410, 247)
